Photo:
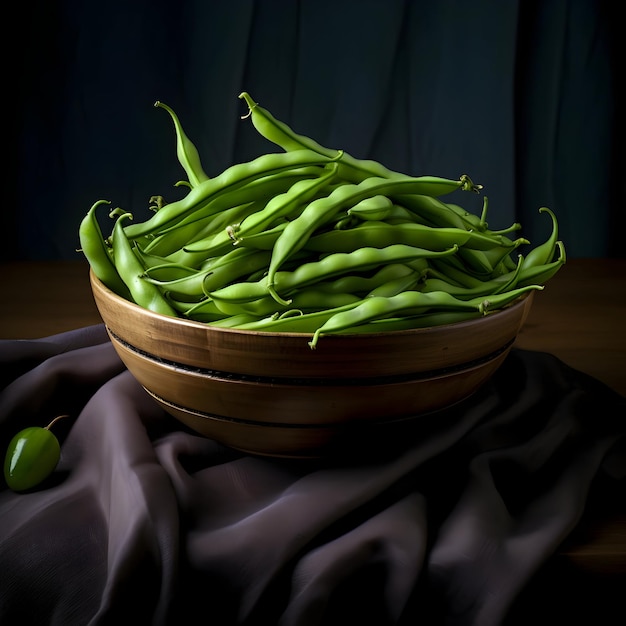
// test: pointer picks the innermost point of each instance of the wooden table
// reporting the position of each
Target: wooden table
(580, 317)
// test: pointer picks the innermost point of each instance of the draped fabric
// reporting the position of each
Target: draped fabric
(147, 522)
(521, 96)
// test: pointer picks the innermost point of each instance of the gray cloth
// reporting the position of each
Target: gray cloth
(147, 522)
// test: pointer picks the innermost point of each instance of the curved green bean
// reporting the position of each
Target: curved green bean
(351, 169)
(280, 206)
(131, 271)
(97, 252)
(543, 253)
(318, 212)
(412, 303)
(232, 178)
(187, 152)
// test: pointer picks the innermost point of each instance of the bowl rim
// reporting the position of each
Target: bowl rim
(96, 284)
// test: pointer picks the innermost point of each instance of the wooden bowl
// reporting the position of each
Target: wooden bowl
(271, 394)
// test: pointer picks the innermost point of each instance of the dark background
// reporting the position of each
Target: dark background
(522, 95)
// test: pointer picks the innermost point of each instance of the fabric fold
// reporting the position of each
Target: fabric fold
(146, 520)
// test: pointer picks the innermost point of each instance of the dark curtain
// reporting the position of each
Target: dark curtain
(520, 95)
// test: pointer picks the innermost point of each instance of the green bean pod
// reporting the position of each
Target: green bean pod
(205, 311)
(452, 269)
(412, 322)
(265, 240)
(280, 206)
(98, 254)
(365, 283)
(318, 212)
(232, 178)
(433, 210)
(380, 307)
(338, 263)
(375, 207)
(305, 299)
(543, 253)
(396, 285)
(541, 274)
(495, 285)
(412, 303)
(131, 271)
(175, 239)
(186, 151)
(379, 234)
(485, 262)
(350, 169)
(261, 189)
(238, 263)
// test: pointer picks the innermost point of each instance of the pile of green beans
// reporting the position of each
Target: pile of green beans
(312, 240)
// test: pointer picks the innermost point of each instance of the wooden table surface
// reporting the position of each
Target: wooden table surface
(580, 317)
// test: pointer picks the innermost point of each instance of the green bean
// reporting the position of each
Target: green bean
(98, 254)
(543, 253)
(338, 263)
(392, 213)
(503, 254)
(260, 189)
(485, 262)
(433, 210)
(469, 219)
(396, 285)
(264, 240)
(204, 311)
(232, 178)
(411, 303)
(238, 263)
(187, 153)
(293, 321)
(231, 321)
(280, 206)
(380, 307)
(379, 234)
(358, 283)
(163, 271)
(499, 284)
(174, 240)
(542, 273)
(374, 207)
(351, 169)
(304, 299)
(451, 268)
(413, 322)
(297, 232)
(311, 273)
(131, 271)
